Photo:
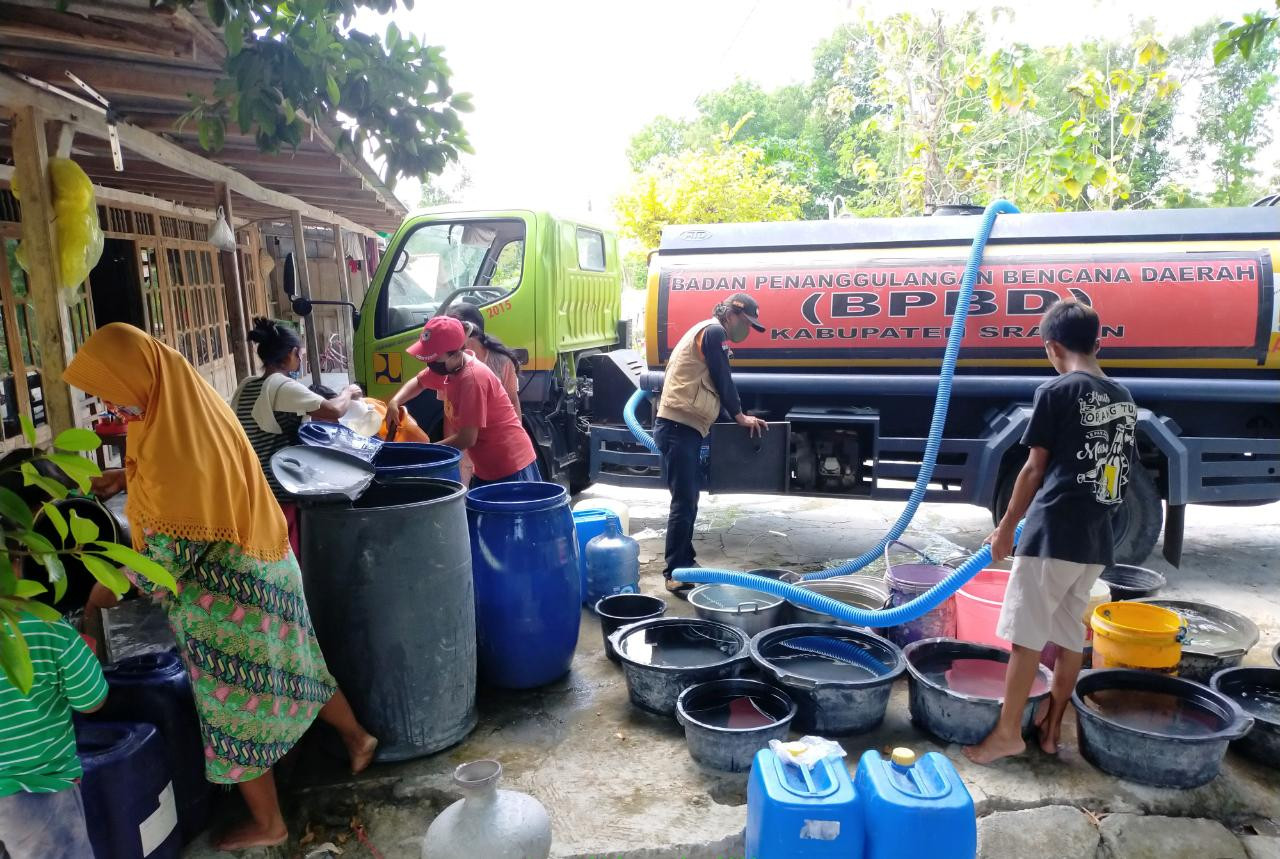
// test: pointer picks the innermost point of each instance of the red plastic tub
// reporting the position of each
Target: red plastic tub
(978, 606)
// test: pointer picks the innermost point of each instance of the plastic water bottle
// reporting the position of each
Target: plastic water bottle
(613, 564)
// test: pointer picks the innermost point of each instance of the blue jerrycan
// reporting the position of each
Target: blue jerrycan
(794, 813)
(915, 807)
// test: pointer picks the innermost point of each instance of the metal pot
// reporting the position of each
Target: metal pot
(858, 591)
(749, 610)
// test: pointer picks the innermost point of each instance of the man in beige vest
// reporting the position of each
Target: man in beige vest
(697, 387)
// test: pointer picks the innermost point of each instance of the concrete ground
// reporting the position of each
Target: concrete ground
(619, 783)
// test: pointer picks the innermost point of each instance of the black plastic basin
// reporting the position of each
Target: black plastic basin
(1155, 729)
(1132, 583)
(664, 656)
(1257, 691)
(727, 721)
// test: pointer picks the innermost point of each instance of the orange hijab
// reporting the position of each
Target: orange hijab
(191, 470)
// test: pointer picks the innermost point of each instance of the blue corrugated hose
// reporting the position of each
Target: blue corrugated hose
(925, 475)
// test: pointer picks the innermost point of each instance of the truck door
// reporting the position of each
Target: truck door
(434, 262)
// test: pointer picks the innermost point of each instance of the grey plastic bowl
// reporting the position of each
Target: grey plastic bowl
(728, 749)
(956, 717)
(655, 687)
(1201, 659)
(1262, 743)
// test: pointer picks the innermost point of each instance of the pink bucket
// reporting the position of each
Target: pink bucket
(978, 606)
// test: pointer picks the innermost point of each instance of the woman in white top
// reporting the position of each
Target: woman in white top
(271, 406)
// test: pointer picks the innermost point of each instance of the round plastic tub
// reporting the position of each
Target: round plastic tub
(908, 581)
(1155, 729)
(1257, 691)
(839, 677)
(727, 721)
(1131, 583)
(978, 605)
(1217, 638)
(663, 657)
(524, 558)
(956, 688)
(750, 611)
(414, 459)
(619, 610)
(858, 591)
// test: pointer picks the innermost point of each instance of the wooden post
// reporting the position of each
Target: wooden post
(304, 290)
(228, 262)
(344, 287)
(31, 157)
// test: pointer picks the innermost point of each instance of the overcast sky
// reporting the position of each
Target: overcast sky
(561, 85)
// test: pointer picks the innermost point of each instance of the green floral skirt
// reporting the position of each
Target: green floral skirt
(245, 635)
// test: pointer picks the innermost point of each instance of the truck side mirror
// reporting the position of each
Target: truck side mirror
(402, 260)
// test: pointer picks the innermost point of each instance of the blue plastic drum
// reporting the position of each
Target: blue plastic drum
(128, 795)
(154, 688)
(524, 559)
(413, 459)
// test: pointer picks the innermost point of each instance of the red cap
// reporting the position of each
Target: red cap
(441, 334)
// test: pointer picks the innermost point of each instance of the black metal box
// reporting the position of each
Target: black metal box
(740, 463)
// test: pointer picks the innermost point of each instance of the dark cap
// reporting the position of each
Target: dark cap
(746, 305)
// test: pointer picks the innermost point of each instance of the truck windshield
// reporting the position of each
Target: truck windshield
(484, 258)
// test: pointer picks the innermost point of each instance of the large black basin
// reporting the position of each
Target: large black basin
(1257, 691)
(1153, 728)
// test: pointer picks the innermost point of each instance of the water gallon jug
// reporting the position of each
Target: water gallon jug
(587, 525)
(915, 807)
(154, 688)
(793, 813)
(613, 564)
(487, 822)
(524, 560)
(128, 795)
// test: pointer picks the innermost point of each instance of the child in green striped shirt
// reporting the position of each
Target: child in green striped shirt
(41, 814)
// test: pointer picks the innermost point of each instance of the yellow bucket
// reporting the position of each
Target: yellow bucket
(1137, 635)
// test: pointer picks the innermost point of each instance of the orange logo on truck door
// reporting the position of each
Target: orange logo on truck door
(387, 368)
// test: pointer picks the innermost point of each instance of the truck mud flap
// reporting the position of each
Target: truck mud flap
(617, 459)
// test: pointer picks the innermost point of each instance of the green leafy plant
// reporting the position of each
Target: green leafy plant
(77, 537)
(387, 94)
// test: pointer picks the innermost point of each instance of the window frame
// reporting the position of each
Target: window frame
(592, 232)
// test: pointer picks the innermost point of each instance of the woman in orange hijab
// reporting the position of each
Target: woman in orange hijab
(199, 505)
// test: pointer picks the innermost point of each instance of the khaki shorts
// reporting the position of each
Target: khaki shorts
(1046, 602)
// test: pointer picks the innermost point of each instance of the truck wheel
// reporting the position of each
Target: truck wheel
(1136, 523)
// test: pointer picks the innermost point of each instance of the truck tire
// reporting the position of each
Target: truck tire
(1136, 522)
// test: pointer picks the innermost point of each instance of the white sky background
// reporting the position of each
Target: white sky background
(561, 85)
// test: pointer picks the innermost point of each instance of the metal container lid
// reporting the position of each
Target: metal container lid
(732, 599)
(1211, 630)
(321, 473)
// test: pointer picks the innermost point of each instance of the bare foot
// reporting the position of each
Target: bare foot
(361, 753)
(252, 834)
(1048, 735)
(993, 748)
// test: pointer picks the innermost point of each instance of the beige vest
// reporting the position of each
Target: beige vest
(688, 396)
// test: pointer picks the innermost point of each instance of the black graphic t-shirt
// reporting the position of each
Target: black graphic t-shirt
(1087, 424)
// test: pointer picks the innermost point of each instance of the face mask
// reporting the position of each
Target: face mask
(738, 330)
(441, 368)
(294, 374)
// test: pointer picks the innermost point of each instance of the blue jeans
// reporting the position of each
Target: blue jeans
(44, 826)
(529, 473)
(681, 448)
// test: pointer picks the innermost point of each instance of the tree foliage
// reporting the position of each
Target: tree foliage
(287, 62)
(730, 182)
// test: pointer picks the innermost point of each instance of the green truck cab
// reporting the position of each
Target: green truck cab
(550, 288)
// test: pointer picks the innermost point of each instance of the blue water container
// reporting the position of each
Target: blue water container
(128, 795)
(797, 814)
(613, 564)
(524, 560)
(587, 525)
(154, 688)
(413, 459)
(915, 807)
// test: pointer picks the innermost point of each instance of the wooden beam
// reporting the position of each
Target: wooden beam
(17, 361)
(344, 287)
(40, 241)
(152, 148)
(304, 289)
(63, 28)
(230, 264)
(103, 194)
(116, 80)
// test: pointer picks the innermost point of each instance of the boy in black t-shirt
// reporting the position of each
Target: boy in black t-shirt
(1081, 439)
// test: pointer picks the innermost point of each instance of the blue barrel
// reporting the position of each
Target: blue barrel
(412, 459)
(128, 795)
(154, 688)
(798, 814)
(528, 595)
(587, 525)
(915, 807)
(613, 564)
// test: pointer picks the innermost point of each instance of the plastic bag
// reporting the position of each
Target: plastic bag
(362, 418)
(409, 429)
(806, 751)
(72, 190)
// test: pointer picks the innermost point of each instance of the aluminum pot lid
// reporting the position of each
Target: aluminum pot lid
(321, 473)
(338, 437)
